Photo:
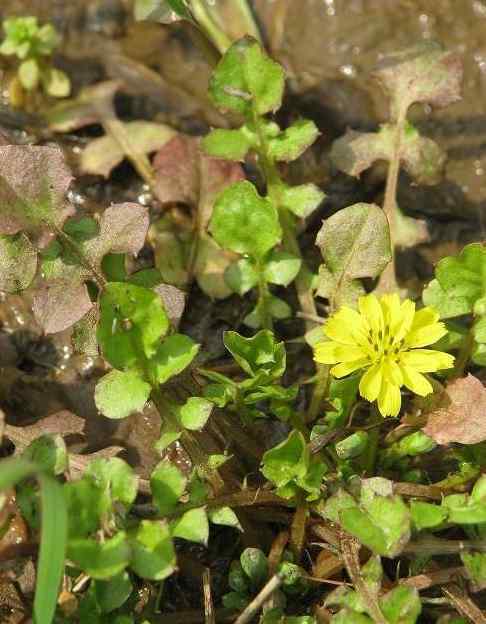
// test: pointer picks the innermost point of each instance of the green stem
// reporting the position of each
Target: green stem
(373, 441)
(211, 29)
(264, 299)
(464, 354)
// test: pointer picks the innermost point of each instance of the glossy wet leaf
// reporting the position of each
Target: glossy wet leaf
(246, 77)
(192, 526)
(173, 355)
(132, 321)
(355, 243)
(120, 393)
(101, 560)
(459, 416)
(245, 222)
(153, 554)
(167, 484)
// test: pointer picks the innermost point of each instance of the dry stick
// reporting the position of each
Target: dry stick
(429, 579)
(464, 605)
(434, 546)
(350, 552)
(209, 617)
(256, 604)
(297, 529)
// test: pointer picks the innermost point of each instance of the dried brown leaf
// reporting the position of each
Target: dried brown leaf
(61, 423)
(459, 417)
(421, 73)
(174, 301)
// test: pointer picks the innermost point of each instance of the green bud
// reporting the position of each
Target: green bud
(352, 446)
(415, 444)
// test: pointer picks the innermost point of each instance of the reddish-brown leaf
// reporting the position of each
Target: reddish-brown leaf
(459, 416)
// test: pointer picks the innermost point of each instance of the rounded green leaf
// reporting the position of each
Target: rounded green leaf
(29, 74)
(255, 564)
(111, 594)
(282, 268)
(241, 276)
(167, 484)
(195, 412)
(174, 355)
(193, 526)
(245, 222)
(56, 83)
(153, 554)
(118, 394)
(116, 476)
(101, 560)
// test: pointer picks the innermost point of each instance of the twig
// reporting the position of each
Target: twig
(429, 579)
(297, 530)
(464, 605)
(209, 617)
(434, 546)
(256, 604)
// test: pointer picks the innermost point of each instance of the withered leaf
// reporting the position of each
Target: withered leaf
(355, 243)
(62, 423)
(33, 185)
(421, 157)
(103, 154)
(185, 174)
(63, 298)
(459, 415)
(421, 73)
(174, 301)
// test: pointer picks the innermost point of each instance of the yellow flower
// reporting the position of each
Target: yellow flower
(385, 338)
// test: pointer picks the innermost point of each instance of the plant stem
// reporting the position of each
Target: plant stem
(264, 299)
(166, 409)
(464, 355)
(257, 602)
(388, 281)
(211, 29)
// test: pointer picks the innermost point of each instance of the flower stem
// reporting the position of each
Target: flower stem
(464, 354)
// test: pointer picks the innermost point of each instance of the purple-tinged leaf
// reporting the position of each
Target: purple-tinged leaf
(18, 262)
(33, 185)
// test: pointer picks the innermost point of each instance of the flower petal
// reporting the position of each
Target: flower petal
(346, 368)
(346, 326)
(389, 400)
(427, 360)
(370, 384)
(349, 353)
(425, 316)
(426, 335)
(407, 312)
(392, 372)
(326, 352)
(390, 304)
(370, 309)
(415, 381)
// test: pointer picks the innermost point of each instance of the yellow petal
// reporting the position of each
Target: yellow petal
(349, 353)
(407, 313)
(415, 381)
(389, 400)
(346, 368)
(370, 309)
(426, 335)
(390, 305)
(345, 326)
(392, 372)
(326, 352)
(426, 360)
(423, 317)
(370, 384)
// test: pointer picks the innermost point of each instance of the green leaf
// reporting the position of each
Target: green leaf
(245, 222)
(247, 77)
(475, 564)
(260, 353)
(55, 82)
(235, 601)
(352, 446)
(86, 503)
(192, 526)
(115, 476)
(195, 412)
(167, 484)
(82, 229)
(241, 276)
(282, 267)
(50, 567)
(153, 554)
(49, 452)
(237, 579)
(225, 516)
(347, 616)
(160, 10)
(383, 525)
(293, 141)
(228, 144)
(29, 74)
(286, 461)
(355, 243)
(302, 200)
(426, 515)
(174, 355)
(401, 605)
(101, 560)
(118, 394)
(132, 321)
(458, 284)
(255, 565)
(113, 593)
(166, 439)
(18, 262)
